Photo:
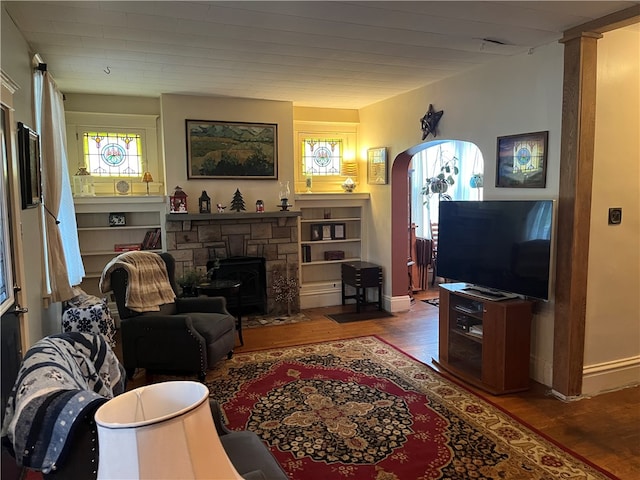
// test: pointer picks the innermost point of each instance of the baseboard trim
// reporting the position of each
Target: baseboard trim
(607, 376)
(400, 303)
(320, 295)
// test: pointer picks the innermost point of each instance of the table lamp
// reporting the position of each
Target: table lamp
(349, 169)
(164, 430)
(147, 178)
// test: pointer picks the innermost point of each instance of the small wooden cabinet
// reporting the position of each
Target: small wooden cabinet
(485, 343)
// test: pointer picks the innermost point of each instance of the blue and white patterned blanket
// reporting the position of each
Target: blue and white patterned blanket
(61, 376)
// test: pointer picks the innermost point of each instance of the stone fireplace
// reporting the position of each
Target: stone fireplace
(195, 239)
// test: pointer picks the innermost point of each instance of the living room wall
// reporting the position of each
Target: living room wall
(16, 63)
(513, 95)
(175, 109)
(614, 250)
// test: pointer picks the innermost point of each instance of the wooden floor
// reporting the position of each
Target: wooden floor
(605, 429)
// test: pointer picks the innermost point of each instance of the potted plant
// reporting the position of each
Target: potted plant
(441, 182)
(439, 185)
(189, 281)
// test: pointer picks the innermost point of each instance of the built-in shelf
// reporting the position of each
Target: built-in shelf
(317, 242)
(331, 197)
(98, 239)
(320, 278)
(326, 262)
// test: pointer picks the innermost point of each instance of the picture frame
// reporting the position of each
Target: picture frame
(316, 232)
(377, 167)
(521, 160)
(231, 150)
(327, 231)
(117, 220)
(29, 160)
(338, 231)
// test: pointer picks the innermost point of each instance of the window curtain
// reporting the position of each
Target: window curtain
(64, 266)
(427, 163)
(6, 280)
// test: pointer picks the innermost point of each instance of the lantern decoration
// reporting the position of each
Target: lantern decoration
(204, 202)
(284, 194)
(83, 185)
(178, 201)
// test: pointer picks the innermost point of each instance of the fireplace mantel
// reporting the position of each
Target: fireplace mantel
(180, 217)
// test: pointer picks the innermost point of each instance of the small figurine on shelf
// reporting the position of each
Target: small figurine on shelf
(237, 203)
(220, 207)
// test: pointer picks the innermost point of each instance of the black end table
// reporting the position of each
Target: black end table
(226, 289)
(361, 275)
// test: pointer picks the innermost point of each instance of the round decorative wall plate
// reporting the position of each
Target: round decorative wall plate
(123, 187)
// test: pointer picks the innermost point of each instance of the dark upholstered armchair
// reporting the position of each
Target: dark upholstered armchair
(249, 455)
(187, 335)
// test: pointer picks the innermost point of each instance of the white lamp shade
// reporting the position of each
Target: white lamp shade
(164, 430)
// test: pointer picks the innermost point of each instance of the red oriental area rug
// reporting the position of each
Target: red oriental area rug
(362, 409)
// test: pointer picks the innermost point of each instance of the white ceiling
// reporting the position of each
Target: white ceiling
(312, 53)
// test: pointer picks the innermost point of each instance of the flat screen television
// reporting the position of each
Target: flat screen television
(496, 246)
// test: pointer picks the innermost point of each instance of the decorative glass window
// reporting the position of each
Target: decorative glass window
(321, 156)
(112, 154)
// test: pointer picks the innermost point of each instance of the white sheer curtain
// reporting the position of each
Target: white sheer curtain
(427, 163)
(63, 261)
(6, 275)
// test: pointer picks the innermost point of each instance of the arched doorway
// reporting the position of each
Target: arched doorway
(444, 170)
(470, 163)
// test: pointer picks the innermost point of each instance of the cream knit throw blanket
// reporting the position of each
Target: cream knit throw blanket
(148, 286)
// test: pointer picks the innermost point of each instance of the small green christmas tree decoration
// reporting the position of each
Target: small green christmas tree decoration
(237, 203)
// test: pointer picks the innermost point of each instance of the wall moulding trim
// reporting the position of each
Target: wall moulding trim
(122, 199)
(400, 303)
(607, 376)
(8, 83)
(180, 217)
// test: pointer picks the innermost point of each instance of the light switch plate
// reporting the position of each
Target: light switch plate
(615, 216)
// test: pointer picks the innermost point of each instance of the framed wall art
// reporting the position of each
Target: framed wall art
(377, 166)
(338, 231)
(29, 159)
(231, 150)
(316, 232)
(327, 232)
(522, 160)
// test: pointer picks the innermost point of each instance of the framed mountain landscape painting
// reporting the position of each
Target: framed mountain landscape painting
(228, 150)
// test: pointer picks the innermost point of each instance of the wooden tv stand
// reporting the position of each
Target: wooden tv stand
(483, 342)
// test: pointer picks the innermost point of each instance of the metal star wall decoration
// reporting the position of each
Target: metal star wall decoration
(430, 121)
